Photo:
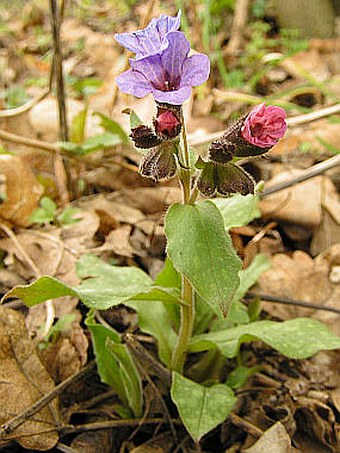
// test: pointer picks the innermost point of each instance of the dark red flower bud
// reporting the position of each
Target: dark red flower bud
(167, 124)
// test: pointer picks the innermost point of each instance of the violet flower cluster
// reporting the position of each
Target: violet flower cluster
(162, 65)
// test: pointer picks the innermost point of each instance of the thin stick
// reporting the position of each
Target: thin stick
(58, 68)
(143, 356)
(239, 23)
(10, 113)
(9, 426)
(246, 426)
(288, 301)
(311, 172)
(114, 424)
(60, 171)
(49, 304)
(54, 148)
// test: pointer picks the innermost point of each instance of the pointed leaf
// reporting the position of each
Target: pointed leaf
(201, 408)
(292, 338)
(129, 375)
(200, 249)
(238, 210)
(107, 365)
(154, 319)
(105, 286)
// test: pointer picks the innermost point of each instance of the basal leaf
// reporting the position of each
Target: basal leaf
(250, 275)
(238, 210)
(104, 286)
(201, 408)
(107, 365)
(154, 319)
(129, 375)
(296, 338)
(199, 248)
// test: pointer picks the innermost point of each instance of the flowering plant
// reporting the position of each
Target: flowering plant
(194, 304)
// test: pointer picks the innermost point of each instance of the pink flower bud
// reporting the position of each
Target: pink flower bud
(167, 124)
(264, 126)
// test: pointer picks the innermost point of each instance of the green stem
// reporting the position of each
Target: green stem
(188, 306)
(186, 326)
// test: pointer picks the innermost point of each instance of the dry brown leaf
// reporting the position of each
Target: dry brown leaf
(274, 440)
(23, 381)
(119, 212)
(300, 277)
(22, 193)
(150, 200)
(67, 355)
(93, 442)
(298, 205)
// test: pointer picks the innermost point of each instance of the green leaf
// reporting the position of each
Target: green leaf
(129, 375)
(201, 408)
(240, 375)
(66, 217)
(105, 286)
(154, 319)
(135, 121)
(107, 365)
(39, 215)
(168, 276)
(105, 140)
(112, 126)
(78, 127)
(250, 275)
(238, 210)
(200, 249)
(292, 338)
(158, 293)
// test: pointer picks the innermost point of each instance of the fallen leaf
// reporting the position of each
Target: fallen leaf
(22, 190)
(299, 277)
(23, 381)
(298, 205)
(67, 355)
(274, 440)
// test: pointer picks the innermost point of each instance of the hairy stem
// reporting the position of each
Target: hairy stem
(188, 297)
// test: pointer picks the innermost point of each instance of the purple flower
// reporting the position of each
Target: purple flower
(264, 126)
(151, 40)
(168, 75)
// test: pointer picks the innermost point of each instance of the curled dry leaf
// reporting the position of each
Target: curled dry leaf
(298, 205)
(300, 277)
(23, 381)
(67, 355)
(22, 190)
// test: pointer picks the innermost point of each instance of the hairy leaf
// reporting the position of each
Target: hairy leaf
(201, 408)
(296, 338)
(200, 249)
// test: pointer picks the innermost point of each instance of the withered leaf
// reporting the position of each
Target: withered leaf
(24, 380)
(22, 190)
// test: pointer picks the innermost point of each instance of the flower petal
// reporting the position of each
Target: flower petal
(174, 56)
(151, 68)
(152, 39)
(196, 70)
(133, 82)
(176, 97)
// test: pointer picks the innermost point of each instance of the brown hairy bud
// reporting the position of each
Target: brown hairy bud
(159, 163)
(144, 137)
